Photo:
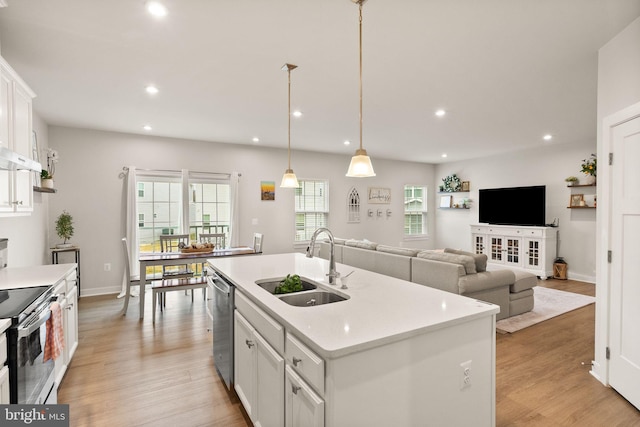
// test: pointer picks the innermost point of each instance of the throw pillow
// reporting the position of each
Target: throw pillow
(466, 261)
(398, 251)
(480, 259)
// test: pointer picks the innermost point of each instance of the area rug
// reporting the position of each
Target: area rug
(548, 303)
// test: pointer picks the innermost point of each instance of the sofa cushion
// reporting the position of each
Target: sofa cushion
(480, 259)
(466, 261)
(362, 244)
(524, 280)
(486, 280)
(398, 251)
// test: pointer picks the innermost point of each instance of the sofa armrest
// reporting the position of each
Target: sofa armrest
(436, 274)
(486, 280)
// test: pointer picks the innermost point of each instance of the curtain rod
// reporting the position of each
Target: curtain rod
(126, 169)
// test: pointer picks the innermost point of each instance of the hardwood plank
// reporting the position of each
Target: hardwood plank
(127, 372)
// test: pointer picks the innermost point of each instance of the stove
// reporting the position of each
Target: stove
(14, 302)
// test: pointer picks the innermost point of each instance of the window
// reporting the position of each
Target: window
(159, 206)
(415, 210)
(311, 207)
(209, 208)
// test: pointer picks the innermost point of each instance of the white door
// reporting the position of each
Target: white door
(303, 408)
(625, 268)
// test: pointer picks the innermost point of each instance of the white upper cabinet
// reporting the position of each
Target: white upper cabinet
(16, 187)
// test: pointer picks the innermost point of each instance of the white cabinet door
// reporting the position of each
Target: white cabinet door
(303, 408)
(534, 254)
(270, 385)
(479, 243)
(513, 251)
(22, 145)
(244, 348)
(4, 386)
(71, 331)
(6, 177)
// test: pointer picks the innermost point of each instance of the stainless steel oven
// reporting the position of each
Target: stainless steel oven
(31, 379)
(222, 311)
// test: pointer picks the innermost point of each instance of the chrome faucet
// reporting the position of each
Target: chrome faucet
(333, 274)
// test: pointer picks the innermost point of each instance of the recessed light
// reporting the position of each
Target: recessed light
(156, 9)
(347, 142)
(444, 155)
(441, 113)
(547, 137)
(147, 128)
(151, 90)
(297, 113)
(256, 139)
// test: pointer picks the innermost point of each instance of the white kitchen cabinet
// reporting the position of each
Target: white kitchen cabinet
(259, 375)
(67, 291)
(531, 249)
(303, 407)
(16, 187)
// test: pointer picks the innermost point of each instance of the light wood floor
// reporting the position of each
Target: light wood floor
(129, 373)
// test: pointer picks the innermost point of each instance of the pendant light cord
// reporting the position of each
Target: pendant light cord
(360, 30)
(289, 125)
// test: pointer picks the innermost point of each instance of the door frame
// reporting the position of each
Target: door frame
(600, 364)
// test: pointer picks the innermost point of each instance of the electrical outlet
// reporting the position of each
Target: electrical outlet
(465, 378)
(107, 266)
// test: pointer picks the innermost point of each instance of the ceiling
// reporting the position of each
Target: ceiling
(507, 72)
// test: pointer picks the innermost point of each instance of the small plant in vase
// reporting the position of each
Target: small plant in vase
(47, 179)
(571, 180)
(64, 229)
(589, 167)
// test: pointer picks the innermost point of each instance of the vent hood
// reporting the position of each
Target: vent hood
(10, 160)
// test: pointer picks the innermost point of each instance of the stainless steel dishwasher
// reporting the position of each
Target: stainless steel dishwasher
(222, 306)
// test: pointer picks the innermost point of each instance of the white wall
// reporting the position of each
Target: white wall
(28, 234)
(90, 189)
(549, 166)
(618, 88)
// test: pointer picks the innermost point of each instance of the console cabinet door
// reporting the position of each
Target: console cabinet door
(479, 242)
(303, 407)
(513, 251)
(534, 255)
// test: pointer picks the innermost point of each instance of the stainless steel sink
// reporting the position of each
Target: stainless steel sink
(307, 299)
(270, 285)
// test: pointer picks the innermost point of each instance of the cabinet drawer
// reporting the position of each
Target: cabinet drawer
(479, 230)
(305, 362)
(532, 233)
(3, 349)
(272, 331)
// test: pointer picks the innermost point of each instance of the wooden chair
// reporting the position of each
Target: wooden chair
(218, 239)
(171, 243)
(257, 242)
(161, 287)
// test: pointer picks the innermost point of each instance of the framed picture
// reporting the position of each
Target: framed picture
(465, 186)
(267, 190)
(445, 201)
(379, 195)
(576, 200)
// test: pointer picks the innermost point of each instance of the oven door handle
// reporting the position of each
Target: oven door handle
(34, 323)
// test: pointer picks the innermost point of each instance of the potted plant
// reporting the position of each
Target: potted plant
(64, 229)
(47, 179)
(590, 167)
(571, 180)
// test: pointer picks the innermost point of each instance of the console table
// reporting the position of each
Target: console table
(54, 259)
(532, 249)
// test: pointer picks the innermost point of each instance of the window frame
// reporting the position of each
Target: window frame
(324, 212)
(424, 212)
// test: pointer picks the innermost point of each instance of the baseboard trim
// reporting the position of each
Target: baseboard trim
(581, 277)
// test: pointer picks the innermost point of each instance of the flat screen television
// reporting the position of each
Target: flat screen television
(512, 206)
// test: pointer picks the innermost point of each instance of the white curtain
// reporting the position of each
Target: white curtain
(234, 231)
(185, 197)
(132, 230)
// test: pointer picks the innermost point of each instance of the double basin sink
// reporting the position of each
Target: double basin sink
(309, 296)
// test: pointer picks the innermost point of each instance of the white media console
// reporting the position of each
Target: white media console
(532, 249)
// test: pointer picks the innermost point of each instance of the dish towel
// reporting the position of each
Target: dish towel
(54, 343)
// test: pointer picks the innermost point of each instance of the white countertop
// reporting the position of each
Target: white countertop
(380, 310)
(40, 275)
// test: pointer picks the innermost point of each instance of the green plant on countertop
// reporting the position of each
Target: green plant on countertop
(64, 226)
(289, 284)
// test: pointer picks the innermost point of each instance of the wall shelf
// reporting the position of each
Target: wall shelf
(581, 185)
(581, 207)
(44, 190)
(460, 209)
(451, 192)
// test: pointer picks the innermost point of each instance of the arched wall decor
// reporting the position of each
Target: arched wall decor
(353, 206)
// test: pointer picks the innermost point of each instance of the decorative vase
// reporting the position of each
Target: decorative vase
(47, 183)
(591, 180)
(64, 245)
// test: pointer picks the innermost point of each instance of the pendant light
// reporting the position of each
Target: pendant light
(360, 166)
(289, 179)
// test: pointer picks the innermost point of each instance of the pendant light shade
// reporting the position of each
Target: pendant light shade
(289, 179)
(360, 166)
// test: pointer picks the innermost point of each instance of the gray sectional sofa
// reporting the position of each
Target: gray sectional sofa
(450, 270)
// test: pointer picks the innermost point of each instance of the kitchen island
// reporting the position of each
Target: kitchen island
(392, 353)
